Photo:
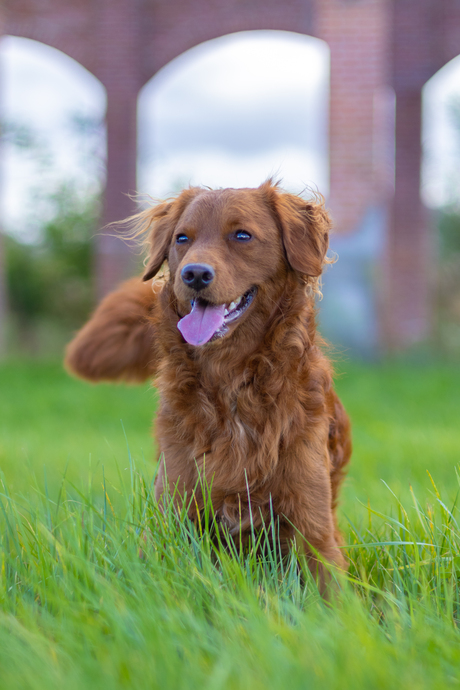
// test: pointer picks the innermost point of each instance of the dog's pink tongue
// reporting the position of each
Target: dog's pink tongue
(203, 321)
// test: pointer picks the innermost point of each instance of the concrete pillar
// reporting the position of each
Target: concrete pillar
(114, 258)
(358, 36)
(416, 36)
(408, 250)
(119, 71)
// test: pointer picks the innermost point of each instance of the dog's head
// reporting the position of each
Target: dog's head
(230, 249)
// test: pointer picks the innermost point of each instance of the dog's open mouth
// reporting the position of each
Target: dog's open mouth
(208, 321)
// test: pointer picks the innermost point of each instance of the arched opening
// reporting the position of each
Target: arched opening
(235, 110)
(441, 137)
(52, 115)
(440, 189)
(52, 173)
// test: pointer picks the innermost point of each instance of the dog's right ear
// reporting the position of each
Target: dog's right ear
(162, 226)
(160, 221)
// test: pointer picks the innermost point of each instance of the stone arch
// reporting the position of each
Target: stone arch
(424, 37)
(358, 69)
(373, 43)
(196, 25)
(124, 44)
(68, 27)
(311, 53)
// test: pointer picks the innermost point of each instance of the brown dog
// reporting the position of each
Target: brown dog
(230, 338)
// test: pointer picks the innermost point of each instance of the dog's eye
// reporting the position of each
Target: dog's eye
(242, 236)
(181, 239)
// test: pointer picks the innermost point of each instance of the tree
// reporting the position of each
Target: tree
(47, 271)
(448, 274)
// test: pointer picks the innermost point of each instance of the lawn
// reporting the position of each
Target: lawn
(97, 588)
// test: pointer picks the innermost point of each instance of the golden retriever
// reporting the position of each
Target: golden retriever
(229, 335)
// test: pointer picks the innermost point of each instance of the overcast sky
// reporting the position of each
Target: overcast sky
(230, 112)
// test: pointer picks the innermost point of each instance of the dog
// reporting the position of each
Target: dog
(228, 333)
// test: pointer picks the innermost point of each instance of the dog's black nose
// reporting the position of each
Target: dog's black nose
(197, 276)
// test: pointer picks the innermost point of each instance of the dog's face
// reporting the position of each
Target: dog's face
(228, 250)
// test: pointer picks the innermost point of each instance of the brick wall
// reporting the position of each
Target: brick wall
(375, 45)
(358, 36)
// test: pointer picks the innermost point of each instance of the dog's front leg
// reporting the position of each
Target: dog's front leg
(117, 343)
(303, 501)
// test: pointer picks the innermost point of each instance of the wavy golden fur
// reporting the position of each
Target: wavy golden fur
(258, 403)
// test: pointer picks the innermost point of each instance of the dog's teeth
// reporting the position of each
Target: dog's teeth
(236, 302)
(231, 306)
(225, 312)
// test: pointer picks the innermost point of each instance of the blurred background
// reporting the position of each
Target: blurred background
(357, 100)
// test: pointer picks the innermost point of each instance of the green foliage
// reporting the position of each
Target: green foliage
(52, 278)
(447, 304)
(447, 292)
(449, 232)
(49, 249)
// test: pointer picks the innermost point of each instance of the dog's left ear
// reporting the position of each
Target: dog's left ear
(304, 227)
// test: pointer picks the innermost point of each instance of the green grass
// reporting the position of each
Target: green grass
(99, 589)
(49, 420)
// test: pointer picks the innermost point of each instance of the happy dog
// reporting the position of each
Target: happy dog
(230, 338)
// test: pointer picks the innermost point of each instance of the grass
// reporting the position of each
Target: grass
(98, 588)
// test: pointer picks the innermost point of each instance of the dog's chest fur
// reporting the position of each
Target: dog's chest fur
(238, 421)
